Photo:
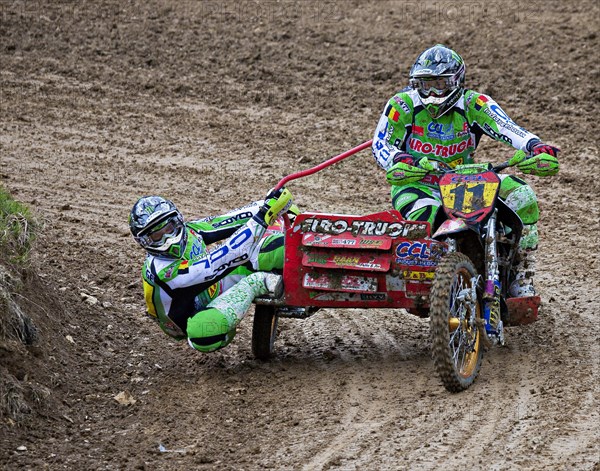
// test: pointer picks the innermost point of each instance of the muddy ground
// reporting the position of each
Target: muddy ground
(210, 103)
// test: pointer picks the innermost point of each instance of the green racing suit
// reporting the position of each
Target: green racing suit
(406, 127)
(203, 295)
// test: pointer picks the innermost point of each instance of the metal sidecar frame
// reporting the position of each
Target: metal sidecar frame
(378, 260)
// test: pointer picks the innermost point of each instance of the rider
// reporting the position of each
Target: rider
(203, 294)
(436, 118)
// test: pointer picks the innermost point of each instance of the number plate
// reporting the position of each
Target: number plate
(468, 194)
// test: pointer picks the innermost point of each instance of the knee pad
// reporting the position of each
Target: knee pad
(209, 330)
(416, 202)
(271, 253)
(521, 198)
(402, 198)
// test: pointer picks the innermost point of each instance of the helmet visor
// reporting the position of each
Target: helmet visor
(163, 232)
(436, 86)
(158, 235)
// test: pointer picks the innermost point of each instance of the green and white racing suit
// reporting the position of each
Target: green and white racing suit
(203, 295)
(406, 127)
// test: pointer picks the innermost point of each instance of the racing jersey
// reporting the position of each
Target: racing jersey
(406, 126)
(175, 289)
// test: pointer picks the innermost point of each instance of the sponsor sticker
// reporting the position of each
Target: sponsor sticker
(169, 272)
(415, 253)
(348, 261)
(401, 103)
(232, 219)
(443, 132)
(496, 135)
(343, 283)
(372, 228)
(440, 150)
(346, 240)
(350, 242)
(418, 275)
(502, 119)
(213, 290)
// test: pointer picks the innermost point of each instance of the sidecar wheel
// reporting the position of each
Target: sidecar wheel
(457, 347)
(264, 331)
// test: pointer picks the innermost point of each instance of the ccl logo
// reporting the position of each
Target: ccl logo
(440, 128)
(413, 250)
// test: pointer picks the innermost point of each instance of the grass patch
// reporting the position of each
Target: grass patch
(17, 330)
(17, 228)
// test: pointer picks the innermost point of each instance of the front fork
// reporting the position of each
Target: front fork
(491, 295)
(493, 327)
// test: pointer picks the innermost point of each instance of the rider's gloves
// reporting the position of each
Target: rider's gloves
(541, 148)
(404, 158)
(277, 201)
(519, 157)
(542, 165)
(403, 173)
(425, 164)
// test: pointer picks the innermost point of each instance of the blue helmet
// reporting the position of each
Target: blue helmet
(438, 75)
(158, 226)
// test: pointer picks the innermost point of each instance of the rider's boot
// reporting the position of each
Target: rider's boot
(274, 285)
(522, 286)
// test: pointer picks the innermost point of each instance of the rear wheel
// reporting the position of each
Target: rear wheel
(264, 331)
(455, 313)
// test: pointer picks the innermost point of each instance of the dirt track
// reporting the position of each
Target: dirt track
(210, 103)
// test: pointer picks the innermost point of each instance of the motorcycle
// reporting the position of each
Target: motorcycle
(470, 300)
(458, 276)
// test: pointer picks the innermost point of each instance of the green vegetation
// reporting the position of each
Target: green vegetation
(17, 329)
(17, 228)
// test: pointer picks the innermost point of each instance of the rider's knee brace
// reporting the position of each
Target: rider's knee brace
(521, 198)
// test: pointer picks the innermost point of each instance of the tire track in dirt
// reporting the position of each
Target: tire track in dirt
(375, 361)
(356, 444)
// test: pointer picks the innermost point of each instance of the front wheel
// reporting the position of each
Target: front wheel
(455, 314)
(264, 331)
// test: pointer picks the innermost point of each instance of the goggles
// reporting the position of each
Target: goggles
(158, 235)
(438, 86)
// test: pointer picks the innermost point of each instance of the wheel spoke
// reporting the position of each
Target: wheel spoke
(454, 312)
(461, 340)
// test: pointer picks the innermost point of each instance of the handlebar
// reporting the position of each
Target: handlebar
(500, 167)
(517, 158)
(440, 168)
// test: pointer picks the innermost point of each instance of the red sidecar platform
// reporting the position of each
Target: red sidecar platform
(377, 260)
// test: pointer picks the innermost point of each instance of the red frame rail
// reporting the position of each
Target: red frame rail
(321, 166)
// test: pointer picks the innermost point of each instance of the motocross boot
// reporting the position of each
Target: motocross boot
(522, 286)
(274, 285)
